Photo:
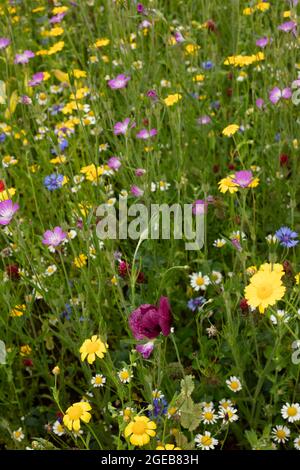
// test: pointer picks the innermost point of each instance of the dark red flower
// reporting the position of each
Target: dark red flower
(148, 321)
(244, 305)
(27, 362)
(211, 26)
(2, 186)
(12, 270)
(283, 159)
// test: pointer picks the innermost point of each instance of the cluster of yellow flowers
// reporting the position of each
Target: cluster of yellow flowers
(243, 60)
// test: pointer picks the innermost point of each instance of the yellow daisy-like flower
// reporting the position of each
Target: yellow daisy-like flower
(226, 184)
(76, 413)
(80, 261)
(79, 73)
(7, 194)
(297, 279)
(25, 350)
(91, 348)
(168, 447)
(230, 130)
(265, 289)
(269, 267)
(18, 311)
(262, 6)
(102, 42)
(140, 430)
(172, 99)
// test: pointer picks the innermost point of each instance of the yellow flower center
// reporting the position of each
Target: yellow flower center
(92, 347)
(206, 440)
(281, 434)
(291, 411)
(17, 434)
(208, 415)
(124, 375)
(234, 385)
(98, 380)
(264, 291)
(139, 428)
(75, 412)
(199, 281)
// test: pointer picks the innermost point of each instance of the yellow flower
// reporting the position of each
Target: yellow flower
(191, 49)
(199, 78)
(297, 279)
(265, 289)
(168, 447)
(18, 311)
(25, 350)
(75, 413)
(80, 261)
(140, 430)
(7, 194)
(58, 10)
(102, 42)
(57, 31)
(248, 11)
(262, 6)
(172, 99)
(276, 267)
(226, 184)
(59, 159)
(230, 130)
(91, 348)
(57, 47)
(79, 73)
(56, 370)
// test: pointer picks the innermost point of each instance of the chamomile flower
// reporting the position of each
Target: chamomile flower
(58, 428)
(219, 243)
(216, 277)
(18, 435)
(199, 281)
(281, 434)
(208, 416)
(234, 384)
(228, 415)
(291, 412)
(125, 375)
(98, 381)
(205, 441)
(297, 443)
(50, 270)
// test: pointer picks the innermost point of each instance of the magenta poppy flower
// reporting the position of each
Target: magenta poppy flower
(7, 211)
(24, 57)
(114, 163)
(276, 94)
(262, 42)
(145, 349)
(148, 321)
(288, 26)
(243, 178)
(145, 134)
(136, 191)
(54, 237)
(37, 78)
(4, 43)
(119, 82)
(123, 126)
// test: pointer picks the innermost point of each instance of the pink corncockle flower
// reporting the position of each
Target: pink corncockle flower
(119, 82)
(114, 163)
(136, 191)
(152, 95)
(262, 42)
(243, 178)
(145, 134)
(199, 207)
(140, 8)
(122, 127)
(260, 103)
(140, 172)
(4, 43)
(178, 37)
(37, 78)
(203, 120)
(148, 321)
(24, 57)
(288, 26)
(57, 18)
(54, 237)
(145, 349)
(7, 211)
(276, 94)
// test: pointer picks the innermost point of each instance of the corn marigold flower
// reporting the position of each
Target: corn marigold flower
(168, 447)
(170, 100)
(265, 289)
(76, 413)
(91, 348)
(140, 430)
(230, 130)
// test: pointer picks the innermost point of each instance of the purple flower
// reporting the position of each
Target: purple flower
(7, 211)
(288, 26)
(37, 78)
(119, 82)
(262, 42)
(24, 57)
(178, 37)
(203, 120)
(136, 191)
(53, 181)
(114, 163)
(243, 178)
(57, 18)
(140, 172)
(54, 237)
(25, 99)
(4, 42)
(145, 134)
(152, 95)
(260, 103)
(123, 126)
(195, 304)
(199, 207)
(276, 94)
(140, 8)
(148, 321)
(286, 237)
(145, 349)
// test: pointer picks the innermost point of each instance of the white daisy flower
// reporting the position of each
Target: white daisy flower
(297, 443)
(281, 433)
(198, 281)
(98, 381)
(18, 435)
(234, 384)
(206, 441)
(58, 428)
(229, 415)
(291, 412)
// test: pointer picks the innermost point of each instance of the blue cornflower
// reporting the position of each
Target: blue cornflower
(2, 137)
(208, 65)
(286, 237)
(55, 109)
(63, 144)
(53, 181)
(196, 303)
(67, 312)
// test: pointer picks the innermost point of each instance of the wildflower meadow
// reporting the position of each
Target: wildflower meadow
(149, 225)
